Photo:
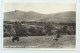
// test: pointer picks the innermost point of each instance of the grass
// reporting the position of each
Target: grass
(67, 41)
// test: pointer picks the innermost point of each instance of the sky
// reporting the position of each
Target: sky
(40, 7)
(39, 1)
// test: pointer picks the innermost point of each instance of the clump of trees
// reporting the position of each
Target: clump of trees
(6, 30)
(70, 30)
(36, 31)
(20, 29)
(49, 27)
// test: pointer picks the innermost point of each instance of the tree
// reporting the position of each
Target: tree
(49, 27)
(23, 22)
(20, 29)
(32, 31)
(40, 31)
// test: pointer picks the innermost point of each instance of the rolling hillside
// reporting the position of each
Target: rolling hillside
(63, 17)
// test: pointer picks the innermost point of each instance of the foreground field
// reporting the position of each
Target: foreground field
(67, 41)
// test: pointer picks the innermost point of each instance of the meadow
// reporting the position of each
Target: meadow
(66, 41)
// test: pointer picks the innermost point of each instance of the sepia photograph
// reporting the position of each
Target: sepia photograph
(49, 25)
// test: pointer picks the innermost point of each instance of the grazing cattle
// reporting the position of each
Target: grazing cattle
(13, 34)
(15, 38)
(56, 37)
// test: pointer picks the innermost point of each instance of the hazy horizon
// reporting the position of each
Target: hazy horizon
(43, 8)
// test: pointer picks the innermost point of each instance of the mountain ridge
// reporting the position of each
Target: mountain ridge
(69, 16)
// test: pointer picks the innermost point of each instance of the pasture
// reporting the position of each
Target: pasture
(66, 41)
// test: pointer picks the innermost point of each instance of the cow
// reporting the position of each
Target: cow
(56, 37)
(15, 38)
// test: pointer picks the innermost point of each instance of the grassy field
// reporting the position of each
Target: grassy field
(67, 41)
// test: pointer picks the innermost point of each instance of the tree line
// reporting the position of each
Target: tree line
(46, 29)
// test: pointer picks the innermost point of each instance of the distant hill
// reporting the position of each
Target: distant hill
(22, 16)
(17, 15)
(66, 17)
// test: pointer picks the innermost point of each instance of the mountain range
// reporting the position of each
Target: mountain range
(61, 17)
